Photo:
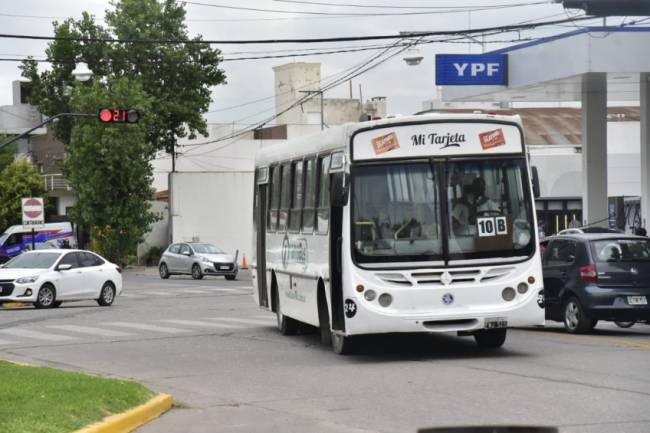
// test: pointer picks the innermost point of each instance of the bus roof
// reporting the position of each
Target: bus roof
(338, 137)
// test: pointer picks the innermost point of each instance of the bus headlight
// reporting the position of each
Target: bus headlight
(370, 295)
(522, 288)
(385, 299)
(508, 294)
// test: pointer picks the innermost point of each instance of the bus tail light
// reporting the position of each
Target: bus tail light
(589, 273)
(370, 295)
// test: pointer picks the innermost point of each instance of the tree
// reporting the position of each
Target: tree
(18, 180)
(109, 168)
(7, 153)
(179, 76)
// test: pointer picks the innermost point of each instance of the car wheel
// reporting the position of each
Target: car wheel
(625, 325)
(491, 338)
(196, 272)
(286, 325)
(163, 271)
(231, 277)
(576, 321)
(107, 295)
(46, 297)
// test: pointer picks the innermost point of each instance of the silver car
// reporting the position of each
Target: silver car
(197, 259)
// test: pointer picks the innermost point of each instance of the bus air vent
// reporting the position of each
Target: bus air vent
(395, 278)
(496, 273)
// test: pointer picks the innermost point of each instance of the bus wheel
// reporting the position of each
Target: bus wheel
(341, 344)
(490, 338)
(286, 325)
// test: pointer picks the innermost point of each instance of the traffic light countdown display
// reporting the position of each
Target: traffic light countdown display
(118, 115)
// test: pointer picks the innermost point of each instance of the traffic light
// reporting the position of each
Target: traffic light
(118, 115)
(609, 7)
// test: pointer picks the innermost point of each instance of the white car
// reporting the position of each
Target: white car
(47, 278)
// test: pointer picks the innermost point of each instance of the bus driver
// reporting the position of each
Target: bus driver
(474, 202)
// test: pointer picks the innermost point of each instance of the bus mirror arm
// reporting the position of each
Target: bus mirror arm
(340, 189)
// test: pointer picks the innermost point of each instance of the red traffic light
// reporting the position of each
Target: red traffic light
(118, 115)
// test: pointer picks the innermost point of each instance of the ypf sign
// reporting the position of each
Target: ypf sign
(472, 69)
(33, 213)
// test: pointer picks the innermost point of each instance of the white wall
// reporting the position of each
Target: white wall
(65, 201)
(215, 207)
(159, 234)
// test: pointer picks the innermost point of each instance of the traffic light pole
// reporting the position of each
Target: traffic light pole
(49, 119)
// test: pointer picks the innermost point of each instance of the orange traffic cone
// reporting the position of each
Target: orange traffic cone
(244, 264)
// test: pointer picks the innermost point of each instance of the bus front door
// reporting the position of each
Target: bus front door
(260, 216)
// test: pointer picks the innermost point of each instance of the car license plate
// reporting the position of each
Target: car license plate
(637, 300)
(224, 268)
(496, 322)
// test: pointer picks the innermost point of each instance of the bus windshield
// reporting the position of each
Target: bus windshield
(397, 212)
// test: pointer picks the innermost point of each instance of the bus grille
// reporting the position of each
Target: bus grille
(445, 277)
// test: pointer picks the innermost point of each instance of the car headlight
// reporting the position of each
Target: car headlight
(27, 280)
(205, 260)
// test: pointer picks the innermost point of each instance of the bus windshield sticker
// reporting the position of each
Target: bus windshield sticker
(492, 226)
(492, 139)
(385, 143)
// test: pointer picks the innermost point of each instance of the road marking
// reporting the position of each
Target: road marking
(146, 327)
(26, 333)
(90, 330)
(156, 293)
(197, 292)
(594, 339)
(131, 295)
(201, 324)
(255, 322)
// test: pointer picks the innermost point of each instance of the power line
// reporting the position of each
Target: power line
(506, 28)
(462, 8)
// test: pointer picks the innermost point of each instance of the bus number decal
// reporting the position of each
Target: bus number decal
(492, 226)
(350, 308)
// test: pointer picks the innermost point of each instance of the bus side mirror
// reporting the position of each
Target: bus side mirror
(339, 189)
(535, 181)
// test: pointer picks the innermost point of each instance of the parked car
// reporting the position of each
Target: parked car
(592, 277)
(197, 259)
(17, 239)
(46, 278)
(575, 231)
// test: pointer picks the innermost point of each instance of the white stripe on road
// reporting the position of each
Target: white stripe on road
(146, 327)
(156, 293)
(196, 292)
(201, 324)
(255, 322)
(26, 333)
(90, 330)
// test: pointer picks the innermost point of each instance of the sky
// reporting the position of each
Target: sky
(405, 87)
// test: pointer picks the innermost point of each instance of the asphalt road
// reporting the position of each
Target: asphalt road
(229, 370)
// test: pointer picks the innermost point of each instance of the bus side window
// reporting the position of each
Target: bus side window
(322, 222)
(285, 197)
(272, 218)
(296, 203)
(309, 211)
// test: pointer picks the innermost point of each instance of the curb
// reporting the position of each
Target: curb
(9, 305)
(133, 418)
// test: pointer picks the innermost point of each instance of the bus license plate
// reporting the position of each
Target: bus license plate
(637, 300)
(496, 322)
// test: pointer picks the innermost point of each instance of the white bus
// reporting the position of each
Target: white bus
(404, 225)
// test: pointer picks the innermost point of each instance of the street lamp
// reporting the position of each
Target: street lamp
(82, 73)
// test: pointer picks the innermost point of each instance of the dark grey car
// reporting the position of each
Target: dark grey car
(592, 277)
(197, 259)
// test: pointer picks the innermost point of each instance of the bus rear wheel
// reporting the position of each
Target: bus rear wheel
(341, 344)
(286, 325)
(490, 338)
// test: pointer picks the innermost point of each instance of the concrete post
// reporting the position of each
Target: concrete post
(594, 149)
(645, 149)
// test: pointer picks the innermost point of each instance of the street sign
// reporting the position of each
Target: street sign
(33, 213)
(472, 69)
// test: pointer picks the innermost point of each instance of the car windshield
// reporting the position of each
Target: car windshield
(33, 261)
(621, 250)
(397, 211)
(206, 249)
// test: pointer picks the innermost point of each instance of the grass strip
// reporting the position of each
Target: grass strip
(46, 400)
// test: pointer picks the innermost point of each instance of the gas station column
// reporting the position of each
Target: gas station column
(594, 149)
(645, 148)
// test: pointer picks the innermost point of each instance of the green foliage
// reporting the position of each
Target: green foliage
(152, 257)
(178, 76)
(109, 169)
(7, 154)
(18, 180)
(45, 400)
